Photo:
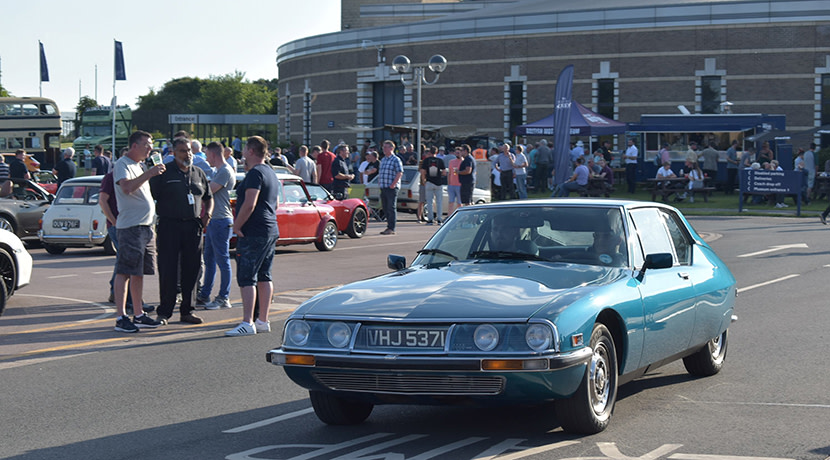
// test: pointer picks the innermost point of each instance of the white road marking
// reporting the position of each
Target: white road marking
(108, 272)
(720, 457)
(61, 276)
(779, 247)
(270, 421)
(107, 310)
(765, 283)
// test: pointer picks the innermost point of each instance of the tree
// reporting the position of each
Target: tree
(84, 103)
(176, 96)
(232, 94)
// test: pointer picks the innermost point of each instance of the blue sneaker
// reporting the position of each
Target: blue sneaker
(123, 324)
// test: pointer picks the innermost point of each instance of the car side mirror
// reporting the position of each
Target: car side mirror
(395, 262)
(656, 261)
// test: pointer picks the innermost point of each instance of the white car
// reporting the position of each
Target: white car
(75, 220)
(408, 194)
(15, 266)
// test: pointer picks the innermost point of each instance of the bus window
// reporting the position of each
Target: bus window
(2, 143)
(15, 143)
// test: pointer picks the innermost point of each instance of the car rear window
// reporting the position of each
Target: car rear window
(78, 194)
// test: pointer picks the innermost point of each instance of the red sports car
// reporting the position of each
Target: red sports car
(351, 214)
(301, 220)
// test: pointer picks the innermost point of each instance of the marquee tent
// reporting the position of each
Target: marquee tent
(583, 123)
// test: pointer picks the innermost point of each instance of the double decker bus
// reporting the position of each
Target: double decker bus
(32, 124)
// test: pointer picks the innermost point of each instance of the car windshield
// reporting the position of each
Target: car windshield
(78, 194)
(317, 192)
(568, 234)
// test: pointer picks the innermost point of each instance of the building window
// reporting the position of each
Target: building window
(605, 97)
(307, 118)
(710, 94)
(287, 116)
(516, 105)
(387, 108)
(825, 107)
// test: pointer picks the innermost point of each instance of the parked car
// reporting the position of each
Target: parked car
(46, 179)
(75, 220)
(301, 220)
(15, 266)
(518, 302)
(22, 204)
(409, 193)
(351, 214)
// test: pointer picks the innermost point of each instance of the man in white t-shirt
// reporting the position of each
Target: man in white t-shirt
(136, 255)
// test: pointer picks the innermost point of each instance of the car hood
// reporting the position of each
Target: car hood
(481, 289)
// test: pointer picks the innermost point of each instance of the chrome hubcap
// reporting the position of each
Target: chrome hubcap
(599, 379)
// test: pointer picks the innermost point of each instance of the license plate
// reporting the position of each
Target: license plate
(384, 337)
(66, 223)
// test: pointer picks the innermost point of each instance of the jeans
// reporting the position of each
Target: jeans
(434, 193)
(254, 257)
(217, 253)
(521, 185)
(389, 201)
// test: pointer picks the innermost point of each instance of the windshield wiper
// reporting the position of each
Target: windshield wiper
(510, 255)
(437, 251)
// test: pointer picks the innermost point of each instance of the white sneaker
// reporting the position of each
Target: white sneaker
(218, 302)
(262, 326)
(243, 329)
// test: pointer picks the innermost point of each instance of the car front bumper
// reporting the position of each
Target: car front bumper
(414, 379)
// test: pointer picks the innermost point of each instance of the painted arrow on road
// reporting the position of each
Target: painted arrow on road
(780, 247)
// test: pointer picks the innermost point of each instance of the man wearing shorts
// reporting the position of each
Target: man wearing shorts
(257, 232)
(465, 175)
(136, 255)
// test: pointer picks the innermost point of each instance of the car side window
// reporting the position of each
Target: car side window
(293, 193)
(680, 240)
(651, 230)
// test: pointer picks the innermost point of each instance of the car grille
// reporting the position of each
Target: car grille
(417, 384)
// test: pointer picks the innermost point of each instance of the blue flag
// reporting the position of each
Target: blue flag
(562, 124)
(44, 69)
(120, 73)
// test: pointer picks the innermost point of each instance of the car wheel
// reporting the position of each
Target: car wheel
(709, 359)
(329, 237)
(7, 224)
(588, 411)
(54, 250)
(357, 226)
(109, 248)
(334, 410)
(8, 272)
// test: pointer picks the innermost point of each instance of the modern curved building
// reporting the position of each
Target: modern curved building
(631, 57)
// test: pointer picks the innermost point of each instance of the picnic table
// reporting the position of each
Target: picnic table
(668, 186)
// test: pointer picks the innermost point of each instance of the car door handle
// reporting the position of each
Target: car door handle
(683, 275)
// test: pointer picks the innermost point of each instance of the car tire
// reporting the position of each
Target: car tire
(4, 296)
(8, 273)
(589, 410)
(7, 223)
(334, 410)
(54, 250)
(109, 248)
(358, 224)
(329, 238)
(709, 359)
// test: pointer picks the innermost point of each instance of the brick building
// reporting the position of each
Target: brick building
(631, 57)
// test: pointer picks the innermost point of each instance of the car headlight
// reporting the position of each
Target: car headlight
(486, 337)
(297, 332)
(339, 334)
(539, 337)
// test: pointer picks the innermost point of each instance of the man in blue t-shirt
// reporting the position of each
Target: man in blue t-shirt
(256, 229)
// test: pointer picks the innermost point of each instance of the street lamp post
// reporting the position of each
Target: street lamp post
(402, 65)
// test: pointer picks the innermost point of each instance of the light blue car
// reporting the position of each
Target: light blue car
(519, 302)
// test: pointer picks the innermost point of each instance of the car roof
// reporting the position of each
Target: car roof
(84, 179)
(599, 202)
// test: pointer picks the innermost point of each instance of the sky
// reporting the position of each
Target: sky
(162, 40)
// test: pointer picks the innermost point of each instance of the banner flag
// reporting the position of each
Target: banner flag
(120, 73)
(44, 69)
(562, 124)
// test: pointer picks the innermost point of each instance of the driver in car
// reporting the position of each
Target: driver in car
(606, 248)
(505, 236)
